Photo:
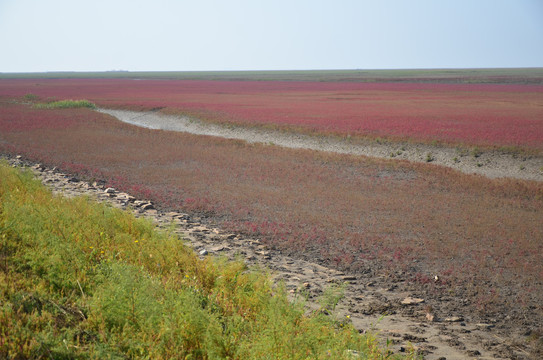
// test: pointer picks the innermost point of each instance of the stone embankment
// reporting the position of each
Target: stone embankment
(409, 322)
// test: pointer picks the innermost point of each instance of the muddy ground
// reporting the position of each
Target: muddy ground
(492, 164)
(405, 315)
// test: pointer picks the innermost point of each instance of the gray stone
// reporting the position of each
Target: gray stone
(453, 319)
(411, 301)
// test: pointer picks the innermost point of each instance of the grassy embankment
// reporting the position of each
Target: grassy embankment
(80, 279)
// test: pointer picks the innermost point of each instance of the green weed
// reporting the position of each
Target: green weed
(66, 104)
(461, 151)
(331, 297)
(31, 97)
(476, 152)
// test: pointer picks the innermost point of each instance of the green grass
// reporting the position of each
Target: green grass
(66, 104)
(81, 280)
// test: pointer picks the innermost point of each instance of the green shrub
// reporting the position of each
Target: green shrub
(66, 104)
(31, 97)
(476, 152)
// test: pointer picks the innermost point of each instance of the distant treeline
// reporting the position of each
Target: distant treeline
(489, 76)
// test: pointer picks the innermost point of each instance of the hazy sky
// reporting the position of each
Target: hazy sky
(97, 35)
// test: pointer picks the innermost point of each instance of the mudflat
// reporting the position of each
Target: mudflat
(489, 163)
(398, 312)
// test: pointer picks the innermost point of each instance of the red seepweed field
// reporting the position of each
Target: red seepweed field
(401, 222)
(502, 115)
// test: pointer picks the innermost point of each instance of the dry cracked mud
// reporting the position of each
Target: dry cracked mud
(371, 301)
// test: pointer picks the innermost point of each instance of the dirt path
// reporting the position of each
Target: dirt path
(489, 163)
(408, 323)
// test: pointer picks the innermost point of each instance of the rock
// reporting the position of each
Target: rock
(147, 206)
(484, 326)
(151, 213)
(183, 217)
(126, 197)
(473, 353)
(265, 254)
(203, 252)
(453, 319)
(413, 338)
(411, 301)
(110, 190)
(200, 229)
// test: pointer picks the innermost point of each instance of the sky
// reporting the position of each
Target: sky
(199, 35)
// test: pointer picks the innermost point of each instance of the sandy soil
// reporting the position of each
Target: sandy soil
(492, 164)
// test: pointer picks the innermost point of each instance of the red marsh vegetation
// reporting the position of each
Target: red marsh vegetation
(482, 237)
(470, 114)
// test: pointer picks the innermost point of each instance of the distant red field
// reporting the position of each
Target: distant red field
(471, 114)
